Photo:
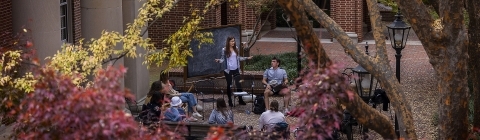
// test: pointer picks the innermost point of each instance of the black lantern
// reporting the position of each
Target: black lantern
(398, 32)
(363, 80)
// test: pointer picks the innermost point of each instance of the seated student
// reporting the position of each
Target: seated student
(221, 114)
(275, 79)
(269, 118)
(152, 107)
(175, 113)
(156, 87)
(188, 98)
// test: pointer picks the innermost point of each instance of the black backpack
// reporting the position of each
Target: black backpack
(259, 105)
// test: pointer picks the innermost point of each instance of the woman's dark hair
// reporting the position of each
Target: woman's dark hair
(157, 98)
(274, 106)
(156, 87)
(227, 47)
(276, 59)
(222, 106)
(164, 76)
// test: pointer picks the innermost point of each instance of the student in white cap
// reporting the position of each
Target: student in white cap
(175, 113)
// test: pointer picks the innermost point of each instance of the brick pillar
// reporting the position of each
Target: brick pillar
(349, 15)
(77, 21)
(6, 28)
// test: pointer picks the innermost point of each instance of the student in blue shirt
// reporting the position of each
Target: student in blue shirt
(175, 113)
(275, 80)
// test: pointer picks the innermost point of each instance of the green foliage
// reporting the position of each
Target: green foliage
(288, 62)
(16, 79)
(390, 3)
(261, 6)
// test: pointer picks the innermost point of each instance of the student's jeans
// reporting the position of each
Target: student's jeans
(228, 77)
(188, 98)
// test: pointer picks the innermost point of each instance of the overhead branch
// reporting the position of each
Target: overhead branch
(422, 23)
(310, 41)
(378, 34)
(256, 34)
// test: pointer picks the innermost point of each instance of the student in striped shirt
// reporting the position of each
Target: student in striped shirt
(221, 114)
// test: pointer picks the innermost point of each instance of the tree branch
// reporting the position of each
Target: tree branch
(378, 34)
(250, 43)
(309, 39)
(422, 23)
(370, 117)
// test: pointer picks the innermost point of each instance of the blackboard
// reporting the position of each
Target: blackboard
(203, 61)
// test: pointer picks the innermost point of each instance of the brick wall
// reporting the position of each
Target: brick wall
(77, 21)
(349, 15)
(173, 20)
(6, 26)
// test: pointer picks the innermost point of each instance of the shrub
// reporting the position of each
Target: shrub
(58, 109)
(288, 62)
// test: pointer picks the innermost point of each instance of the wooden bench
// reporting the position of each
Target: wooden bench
(200, 130)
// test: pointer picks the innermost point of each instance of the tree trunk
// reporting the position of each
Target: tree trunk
(473, 8)
(446, 45)
(310, 41)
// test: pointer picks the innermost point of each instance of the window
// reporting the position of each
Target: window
(66, 21)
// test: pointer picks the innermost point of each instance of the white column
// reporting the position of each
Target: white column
(99, 15)
(137, 74)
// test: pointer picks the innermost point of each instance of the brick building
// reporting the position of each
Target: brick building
(351, 15)
(54, 22)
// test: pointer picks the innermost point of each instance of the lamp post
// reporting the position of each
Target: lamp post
(398, 32)
(364, 83)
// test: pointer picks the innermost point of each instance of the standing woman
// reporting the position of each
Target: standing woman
(231, 59)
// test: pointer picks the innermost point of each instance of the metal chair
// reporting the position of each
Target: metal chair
(204, 99)
(245, 84)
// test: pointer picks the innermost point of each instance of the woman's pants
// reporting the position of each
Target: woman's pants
(228, 76)
(189, 98)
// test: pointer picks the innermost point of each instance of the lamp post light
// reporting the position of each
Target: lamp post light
(398, 32)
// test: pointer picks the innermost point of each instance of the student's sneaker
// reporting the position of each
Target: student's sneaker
(196, 114)
(192, 119)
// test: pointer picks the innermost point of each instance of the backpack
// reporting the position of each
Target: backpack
(259, 105)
